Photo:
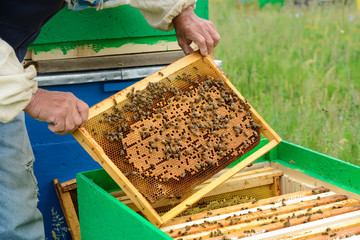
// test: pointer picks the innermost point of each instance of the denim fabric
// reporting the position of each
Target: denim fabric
(19, 216)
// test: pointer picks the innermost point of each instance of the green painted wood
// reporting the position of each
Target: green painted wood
(112, 27)
(334, 171)
(103, 217)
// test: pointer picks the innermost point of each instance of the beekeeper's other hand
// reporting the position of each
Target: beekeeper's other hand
(190, 27)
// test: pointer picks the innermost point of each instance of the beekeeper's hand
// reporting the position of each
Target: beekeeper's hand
(190, 27)
(62, 110)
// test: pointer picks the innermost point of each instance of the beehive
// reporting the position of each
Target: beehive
(173, 130)
(316, 212)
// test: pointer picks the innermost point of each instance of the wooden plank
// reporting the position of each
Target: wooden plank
(308, 180)
(285, 233)
(260, 217)
(340, 232)
(343, 226)
(246, 211)
(275, 187)
(251, 205)
(108, 62)
(68, 209)
(289, 184)
(68, 185)
(292, 222)
(89, 51)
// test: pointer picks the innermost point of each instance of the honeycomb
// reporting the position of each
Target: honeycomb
(177, 132)
(73, 195)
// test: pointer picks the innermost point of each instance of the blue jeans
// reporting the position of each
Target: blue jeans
(19, 216)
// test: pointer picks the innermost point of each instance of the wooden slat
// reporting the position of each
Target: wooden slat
(108, 62)
(240, 181)
(247, 211)
(259, 203)
(308, 180)
(68, 185)
(285, 233)
(89, 51)
(292, 222)
(68, 209)
(276, 186)
(342, 231)
(258, 218)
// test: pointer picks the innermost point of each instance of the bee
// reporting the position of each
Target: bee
(161, 74)
(287, 223)
(210, 162)
(196, 68)
(122, 153)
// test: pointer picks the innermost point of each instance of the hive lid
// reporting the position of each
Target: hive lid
(171, 131)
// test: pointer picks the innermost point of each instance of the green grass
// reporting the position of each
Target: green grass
(299, 68)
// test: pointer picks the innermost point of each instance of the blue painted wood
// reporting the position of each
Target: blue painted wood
(62, 157)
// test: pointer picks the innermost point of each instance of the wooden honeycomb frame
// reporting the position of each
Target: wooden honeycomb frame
(84, 137)
(66, 193)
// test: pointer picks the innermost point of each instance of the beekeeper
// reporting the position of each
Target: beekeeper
(20, 24)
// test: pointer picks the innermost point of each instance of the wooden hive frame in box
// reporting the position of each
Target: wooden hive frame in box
(85, 137)
(67, 194)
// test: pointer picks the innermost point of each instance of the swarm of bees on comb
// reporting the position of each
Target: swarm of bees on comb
(176, 133)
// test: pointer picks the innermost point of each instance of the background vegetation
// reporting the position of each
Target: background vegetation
(300, 69)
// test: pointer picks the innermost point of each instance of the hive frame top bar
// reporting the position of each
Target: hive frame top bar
(91, 146)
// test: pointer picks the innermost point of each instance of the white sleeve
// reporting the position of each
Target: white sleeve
(159, 14)
(16, 83)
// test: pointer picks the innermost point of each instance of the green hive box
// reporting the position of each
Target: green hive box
(102, 216)
(111, 31)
